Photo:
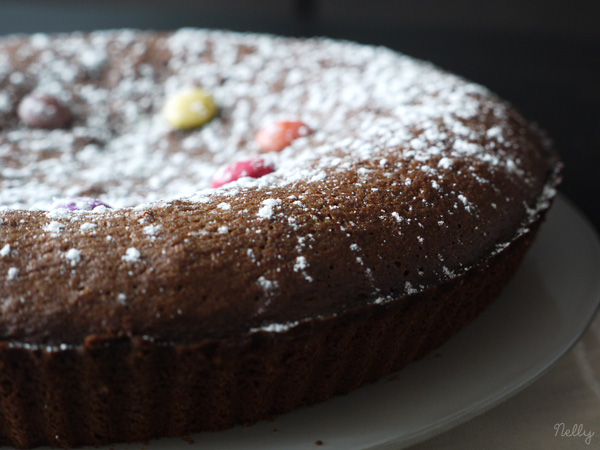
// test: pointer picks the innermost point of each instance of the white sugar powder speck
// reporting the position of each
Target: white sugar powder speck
(266, 211)
(73, 255)
(86, 227)
(54, 228)
(152, 230)
(132, 255)
(267, 285)
(301, 263)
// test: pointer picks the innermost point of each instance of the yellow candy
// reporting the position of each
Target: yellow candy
(190, 108)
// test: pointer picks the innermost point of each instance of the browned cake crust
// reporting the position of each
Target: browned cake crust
(374, 241)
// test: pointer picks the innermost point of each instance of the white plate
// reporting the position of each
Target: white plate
(540, 315)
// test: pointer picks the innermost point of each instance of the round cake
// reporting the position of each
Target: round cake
(202, 229)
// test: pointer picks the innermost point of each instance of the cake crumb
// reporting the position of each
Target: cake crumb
(319, 442)
(13, 273)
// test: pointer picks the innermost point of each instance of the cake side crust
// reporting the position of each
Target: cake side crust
(135, 390)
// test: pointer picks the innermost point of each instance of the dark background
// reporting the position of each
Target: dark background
(543, 56)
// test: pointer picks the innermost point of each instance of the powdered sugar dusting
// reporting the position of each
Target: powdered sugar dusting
(60, 213)
(54, 228)
(300, 266)
(127, 147)
(267, 210)
(152, 230)
(87, 227)
(13, 273)
(132, 255)
(73, 256)
(276, 327)
(267, 285)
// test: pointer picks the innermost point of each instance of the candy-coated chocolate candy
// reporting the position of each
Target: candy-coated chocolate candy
(190, 108)
(43, 111)
(278, 135)
(81, 204)
(253, 168)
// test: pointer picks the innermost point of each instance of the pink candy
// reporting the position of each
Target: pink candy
(278, 135)
(253, 168)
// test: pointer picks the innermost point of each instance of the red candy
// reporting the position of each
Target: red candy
(278, 135)
(253, 168)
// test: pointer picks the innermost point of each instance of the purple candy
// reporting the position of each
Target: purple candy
(43, 111)
(81, 204)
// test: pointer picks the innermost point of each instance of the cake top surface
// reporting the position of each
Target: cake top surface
(412, 175)
(362, 101)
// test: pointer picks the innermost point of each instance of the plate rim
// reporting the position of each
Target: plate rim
(528, 378)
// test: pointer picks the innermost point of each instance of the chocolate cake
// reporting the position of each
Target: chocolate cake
(202, 229)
